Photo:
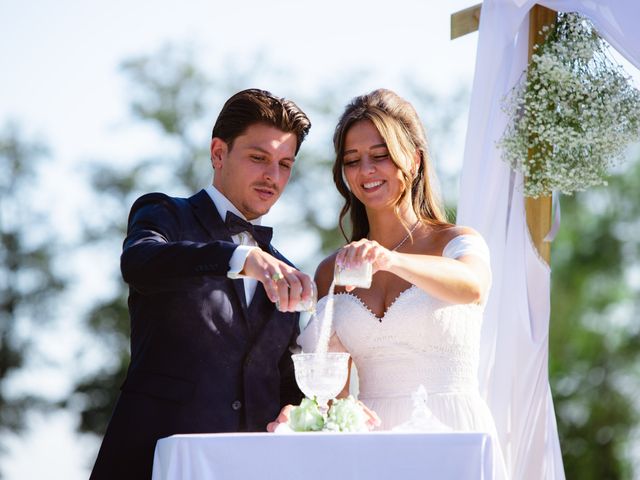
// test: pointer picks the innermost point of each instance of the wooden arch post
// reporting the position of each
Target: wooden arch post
(538, 209)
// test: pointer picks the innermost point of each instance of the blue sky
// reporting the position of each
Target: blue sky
(60, 58)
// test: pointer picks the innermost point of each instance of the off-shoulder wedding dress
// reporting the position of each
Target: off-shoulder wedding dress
(420, 340)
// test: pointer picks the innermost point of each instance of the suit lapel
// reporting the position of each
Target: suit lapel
(208, 216)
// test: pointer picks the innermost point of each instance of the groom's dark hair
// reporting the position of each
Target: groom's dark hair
(252, 106)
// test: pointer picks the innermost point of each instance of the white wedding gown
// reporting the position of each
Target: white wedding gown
(420, 340)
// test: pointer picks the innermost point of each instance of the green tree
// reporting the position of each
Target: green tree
(28, 282)
(594, 337)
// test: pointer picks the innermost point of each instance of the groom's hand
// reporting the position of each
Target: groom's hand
(282, 418)
(285, 286)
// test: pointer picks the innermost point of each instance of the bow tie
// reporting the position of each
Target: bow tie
(236, 225)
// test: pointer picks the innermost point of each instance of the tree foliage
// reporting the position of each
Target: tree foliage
(595, 336)
(28, 281)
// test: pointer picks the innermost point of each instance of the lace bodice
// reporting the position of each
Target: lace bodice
(420, 340)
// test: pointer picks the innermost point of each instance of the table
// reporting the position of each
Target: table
(336, 456)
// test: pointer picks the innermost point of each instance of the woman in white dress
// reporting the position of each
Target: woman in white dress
(419, 322)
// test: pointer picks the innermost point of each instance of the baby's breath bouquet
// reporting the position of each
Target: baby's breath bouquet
(572, 115)
(344, 415)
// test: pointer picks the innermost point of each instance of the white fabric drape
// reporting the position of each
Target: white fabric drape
(514, 360)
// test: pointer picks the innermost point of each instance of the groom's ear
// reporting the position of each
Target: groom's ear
(219, 149)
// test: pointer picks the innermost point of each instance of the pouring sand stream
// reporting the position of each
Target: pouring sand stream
(326, 322)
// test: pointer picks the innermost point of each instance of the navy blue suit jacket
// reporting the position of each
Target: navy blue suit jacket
(201, 359)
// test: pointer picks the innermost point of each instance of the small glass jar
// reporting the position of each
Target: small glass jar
(357, 276)
(308, 305)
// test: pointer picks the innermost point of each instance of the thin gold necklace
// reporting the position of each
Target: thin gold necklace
(415, 225)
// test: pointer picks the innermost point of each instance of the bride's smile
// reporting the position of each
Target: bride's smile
(370, 186)
(369, 170)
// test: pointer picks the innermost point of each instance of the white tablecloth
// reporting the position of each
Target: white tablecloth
(310, 456)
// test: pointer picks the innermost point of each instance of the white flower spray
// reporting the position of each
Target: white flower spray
(572, 115)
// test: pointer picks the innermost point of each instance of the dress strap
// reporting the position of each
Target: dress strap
(467, 245)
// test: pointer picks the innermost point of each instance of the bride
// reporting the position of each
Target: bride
(419, 322)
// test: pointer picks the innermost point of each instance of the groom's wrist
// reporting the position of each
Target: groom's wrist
(237, 261)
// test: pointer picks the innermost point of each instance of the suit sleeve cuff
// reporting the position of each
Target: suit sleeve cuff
(236, 262)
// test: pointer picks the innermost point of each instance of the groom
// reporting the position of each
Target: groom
(209, 349)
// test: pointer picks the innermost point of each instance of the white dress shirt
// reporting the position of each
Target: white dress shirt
(244, 240)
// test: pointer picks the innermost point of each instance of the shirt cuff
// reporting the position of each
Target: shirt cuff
(236, 262)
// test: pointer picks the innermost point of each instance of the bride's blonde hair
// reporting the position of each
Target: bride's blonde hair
(399, 125)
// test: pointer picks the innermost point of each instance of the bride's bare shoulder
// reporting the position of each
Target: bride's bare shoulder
(454, 231)
(447, 233)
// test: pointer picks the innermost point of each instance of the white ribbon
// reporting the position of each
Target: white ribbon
(555, 211)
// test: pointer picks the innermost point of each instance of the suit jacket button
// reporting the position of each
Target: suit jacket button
(236, 405)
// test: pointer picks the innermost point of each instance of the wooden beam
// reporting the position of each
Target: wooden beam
(539, 209)
(539, 17)
(465, 21)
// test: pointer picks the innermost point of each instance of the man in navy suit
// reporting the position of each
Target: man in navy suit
(210, 352)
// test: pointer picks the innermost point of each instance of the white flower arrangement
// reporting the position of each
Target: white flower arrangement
(306, 417)
(573, 114)
(344, 415)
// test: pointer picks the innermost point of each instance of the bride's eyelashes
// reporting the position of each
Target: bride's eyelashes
(380, 157)
(351, 162)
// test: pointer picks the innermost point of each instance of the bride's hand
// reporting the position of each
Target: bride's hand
(356, 253)
(373, 420)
